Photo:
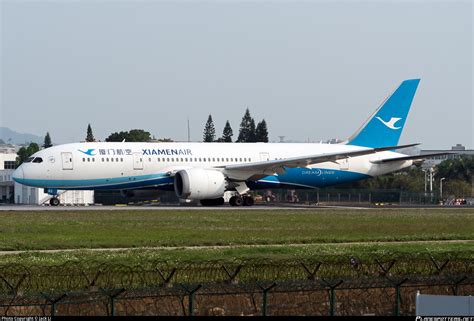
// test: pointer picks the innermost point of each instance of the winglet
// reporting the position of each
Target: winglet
(385, 126)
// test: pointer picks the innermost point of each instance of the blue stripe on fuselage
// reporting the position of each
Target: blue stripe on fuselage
(293, 177)
(101, 183)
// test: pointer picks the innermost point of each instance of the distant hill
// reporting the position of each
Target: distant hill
(12, 137)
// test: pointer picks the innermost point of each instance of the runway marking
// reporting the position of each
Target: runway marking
(217, 247)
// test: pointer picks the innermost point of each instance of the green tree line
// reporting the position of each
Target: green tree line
(248, 132)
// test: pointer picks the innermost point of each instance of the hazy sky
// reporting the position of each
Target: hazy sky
(314, 70)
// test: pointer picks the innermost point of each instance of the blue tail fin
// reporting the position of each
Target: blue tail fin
(386, 124)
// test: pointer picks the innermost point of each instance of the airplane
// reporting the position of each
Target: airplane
(205, 171)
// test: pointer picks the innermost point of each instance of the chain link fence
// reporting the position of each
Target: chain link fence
(330, 286)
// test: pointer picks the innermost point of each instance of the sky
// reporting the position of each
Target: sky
(314, 70)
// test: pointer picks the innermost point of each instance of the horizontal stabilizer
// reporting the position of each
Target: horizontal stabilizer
(404, 158)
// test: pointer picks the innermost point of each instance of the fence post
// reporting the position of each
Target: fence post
(455, 289)
(332, 296)
(112, 295)
(398, 296)
(265, 297)
(191, 298)
(53, 302)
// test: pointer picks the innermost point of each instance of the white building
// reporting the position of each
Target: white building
(7, 166)
(32, 195)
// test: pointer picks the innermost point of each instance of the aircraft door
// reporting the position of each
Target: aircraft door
(264, 156)
(137, 161)
(67, 161)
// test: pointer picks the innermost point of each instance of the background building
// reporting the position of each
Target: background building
(7, 166)
(456, 151)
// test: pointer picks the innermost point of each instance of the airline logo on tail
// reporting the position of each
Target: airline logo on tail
(391, 123)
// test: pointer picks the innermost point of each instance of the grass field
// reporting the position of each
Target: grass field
(293, 234)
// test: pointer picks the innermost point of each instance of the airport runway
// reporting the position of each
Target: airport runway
(22, 208)
(160, 207)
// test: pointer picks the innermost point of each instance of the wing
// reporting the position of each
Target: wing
(404, 158)
(257, 170)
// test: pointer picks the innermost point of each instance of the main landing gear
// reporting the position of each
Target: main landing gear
(54, 201)
(244, 200)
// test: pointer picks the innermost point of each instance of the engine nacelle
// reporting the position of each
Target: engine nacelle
(199, 184)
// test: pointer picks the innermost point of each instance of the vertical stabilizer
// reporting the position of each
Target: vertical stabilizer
(385, 126)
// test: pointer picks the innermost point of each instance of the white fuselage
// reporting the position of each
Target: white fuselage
(144, 165)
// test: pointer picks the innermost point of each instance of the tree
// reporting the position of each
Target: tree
(25, 152)
(90, 137)
(209, 131)
(461, 168)
(134, 135)
(247, 129)
(47, 141)
(227, 133)
(261, 133)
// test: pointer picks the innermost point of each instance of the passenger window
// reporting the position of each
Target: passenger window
(204, 159)
(112, 159)
(168, 159)
(200, 160)
(172, 159)
(83, 159)
(88, 159)
(182, 159)
(102, 159)
(121, 159)
(93, 159)
(186, 159)
(240, 159)
(107, 159)
(117, 159)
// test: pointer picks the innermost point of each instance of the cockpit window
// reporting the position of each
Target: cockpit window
(29, 159)
(38, 160)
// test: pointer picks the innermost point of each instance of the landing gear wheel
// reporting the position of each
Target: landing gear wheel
(54, 201)
(236, 201)
(248, 201)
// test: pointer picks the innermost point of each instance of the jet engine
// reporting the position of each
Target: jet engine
(199, 184)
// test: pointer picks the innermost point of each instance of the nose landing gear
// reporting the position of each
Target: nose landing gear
(54, 201)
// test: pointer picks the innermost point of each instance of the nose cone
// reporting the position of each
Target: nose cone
(18, 174)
